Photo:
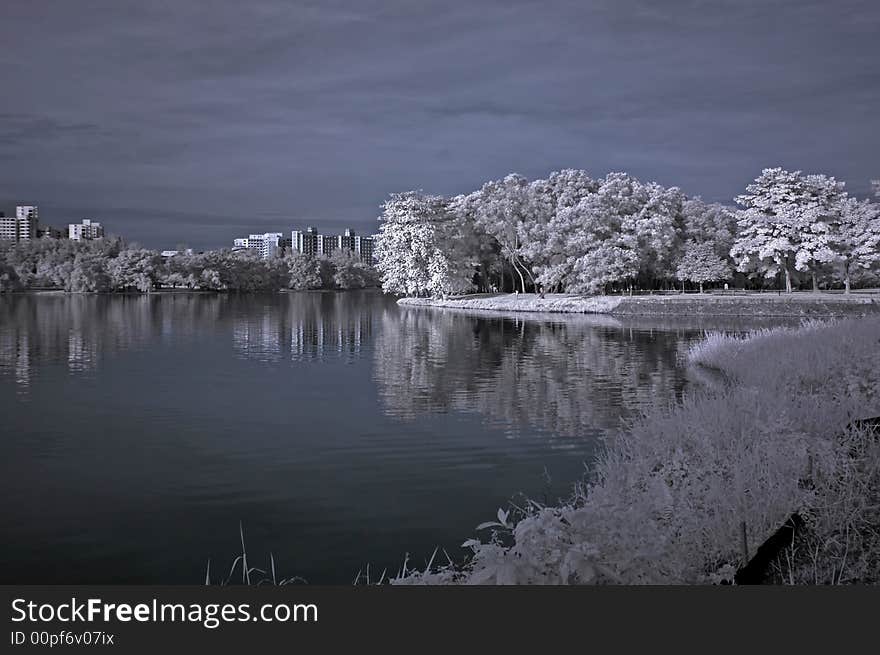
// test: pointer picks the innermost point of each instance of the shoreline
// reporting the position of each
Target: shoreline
(800, 304)
(772, 443)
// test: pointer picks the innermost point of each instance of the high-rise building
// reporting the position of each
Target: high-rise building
(28, 221)
(86, 230)
(363, 246)
(27, 212)
(272, 244)
(312, 243)
(327, 244)
(346, 240)
(266, 244)
(9, 228)
(22, 226)
(305, 242)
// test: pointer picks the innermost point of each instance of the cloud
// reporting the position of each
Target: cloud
(247, 113)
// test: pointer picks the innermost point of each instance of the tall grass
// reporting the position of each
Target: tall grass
(250, 575)
(688, 491)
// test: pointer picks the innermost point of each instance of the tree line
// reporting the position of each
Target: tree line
(103, 265)
(573, 233)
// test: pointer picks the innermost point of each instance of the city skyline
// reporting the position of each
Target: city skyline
(237, 120)
(88, 228)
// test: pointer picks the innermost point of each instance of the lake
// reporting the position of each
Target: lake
(340, 429)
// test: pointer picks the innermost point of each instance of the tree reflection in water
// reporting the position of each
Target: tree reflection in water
(564, 374)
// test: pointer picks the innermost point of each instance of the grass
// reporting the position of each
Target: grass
(675, 493)
(250, 575)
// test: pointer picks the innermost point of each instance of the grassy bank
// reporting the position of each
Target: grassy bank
(509, 302)
(755, 304)
(674, 493)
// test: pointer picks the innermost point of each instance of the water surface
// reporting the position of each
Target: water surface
(340, 429)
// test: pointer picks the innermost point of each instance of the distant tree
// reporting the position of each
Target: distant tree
(547, 233)
(9, 280)
(134, 270)
(624, 231)
(471, 245)
(700, 264)
(349, 272)
(785, 224)
(303, 272)
(855, 240)
(820, 212)
(658, 227)
(89, 273)
(505, 210)
(712, 222)
(326, 271)
(210, 279)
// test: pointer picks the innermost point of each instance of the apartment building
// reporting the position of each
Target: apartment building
(267, 244)
(311, 242)
(22, 226)
(87, 229)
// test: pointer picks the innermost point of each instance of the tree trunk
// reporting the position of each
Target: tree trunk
(815, 283)
(846, 279)
(701, 287)
(787, 280)
(522, 280)
(538, 289)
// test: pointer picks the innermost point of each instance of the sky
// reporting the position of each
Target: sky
(177, 122)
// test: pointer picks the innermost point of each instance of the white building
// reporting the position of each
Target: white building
(23, 212)
(266, 244)
(23, 225)
(85, 230)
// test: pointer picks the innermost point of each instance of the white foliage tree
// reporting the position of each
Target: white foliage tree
(659, 226)
(856, 238)
(785, 223)
(625, 230)
(818, 216)
(473, 244)
(504, 211)
(601, 242)
(416, 250)
(712, 222)
(700, 264)
(546, 231)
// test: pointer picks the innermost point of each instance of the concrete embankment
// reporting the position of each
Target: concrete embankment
(757, 304)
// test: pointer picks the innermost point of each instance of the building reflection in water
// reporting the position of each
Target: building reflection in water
(306, 326)
(15, 358)
(79, 331)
